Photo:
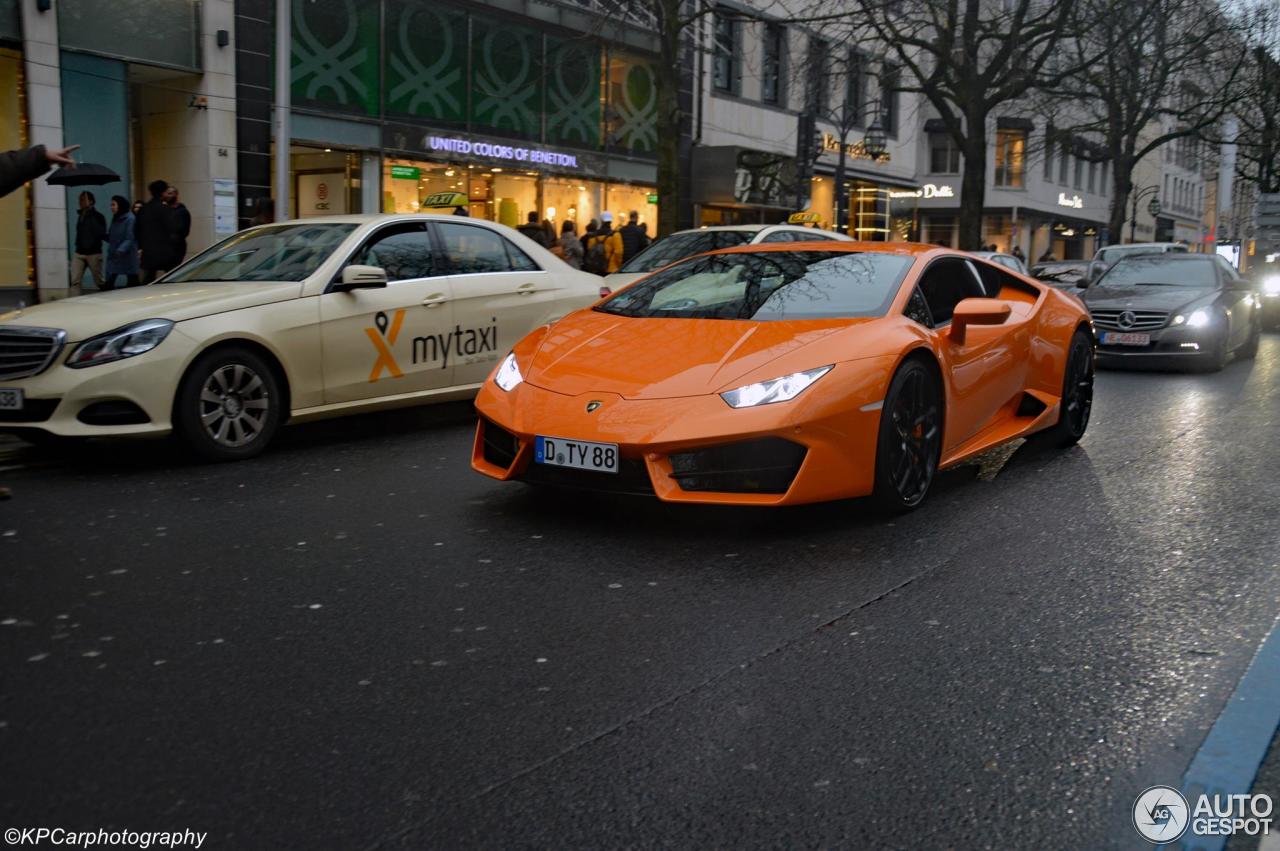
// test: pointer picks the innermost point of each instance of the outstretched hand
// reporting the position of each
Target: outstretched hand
(61, 156)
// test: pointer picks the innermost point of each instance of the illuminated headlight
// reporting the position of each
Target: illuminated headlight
(508, 375)
(1198, 318)
(121, 343)
(1271, 286)
(776, 390)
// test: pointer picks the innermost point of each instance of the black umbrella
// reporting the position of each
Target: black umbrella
(82, 174)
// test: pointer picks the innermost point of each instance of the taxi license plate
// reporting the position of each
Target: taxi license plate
(10, 399)
(579, 454)
(1114, 338)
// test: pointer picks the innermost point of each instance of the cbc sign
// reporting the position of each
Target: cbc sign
(321, 194)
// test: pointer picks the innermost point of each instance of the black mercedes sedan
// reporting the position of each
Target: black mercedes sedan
(1174, 309)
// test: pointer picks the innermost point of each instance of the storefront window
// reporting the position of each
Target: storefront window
(508, 196)
(326, 182)
(14, 261)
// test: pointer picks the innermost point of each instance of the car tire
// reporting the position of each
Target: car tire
(1250, 348)
(228, 406)
(909, 443)
(1216, 359)
(1077, 394)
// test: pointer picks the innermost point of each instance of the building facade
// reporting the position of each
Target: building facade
(145, 88)
(523, 107)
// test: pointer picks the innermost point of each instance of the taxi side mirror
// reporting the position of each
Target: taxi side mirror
(977, 311)
(357, 277)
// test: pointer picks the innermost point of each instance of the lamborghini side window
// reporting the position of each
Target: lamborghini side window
(918, 309)
(945, 284)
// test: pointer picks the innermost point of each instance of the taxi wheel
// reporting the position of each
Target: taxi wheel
(228, 406)
(910, 440)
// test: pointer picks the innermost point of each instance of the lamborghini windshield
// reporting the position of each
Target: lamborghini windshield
(768, 286)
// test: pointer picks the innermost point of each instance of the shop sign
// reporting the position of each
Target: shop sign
(929, 190)
(653, 198)
(322, 194)
(1075, 201)
(500, 151)
(406, 172)
(856, 150)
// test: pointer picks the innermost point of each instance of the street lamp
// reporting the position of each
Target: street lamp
(1153, 208)
(875, 143)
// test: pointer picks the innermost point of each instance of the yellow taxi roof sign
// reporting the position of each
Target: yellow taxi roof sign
(446, 199)
(803, 218)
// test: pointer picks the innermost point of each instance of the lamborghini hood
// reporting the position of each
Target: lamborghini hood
(590, 351)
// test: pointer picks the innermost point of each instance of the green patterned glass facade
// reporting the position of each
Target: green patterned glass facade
(446, 67)
(335, 55)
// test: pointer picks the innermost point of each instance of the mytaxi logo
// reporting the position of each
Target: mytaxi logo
(383, 338)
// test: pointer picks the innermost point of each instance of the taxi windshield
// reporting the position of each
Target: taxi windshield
(768, 286)
(681, 245)
(288, 252)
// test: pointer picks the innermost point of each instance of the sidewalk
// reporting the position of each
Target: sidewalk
(1268, 783)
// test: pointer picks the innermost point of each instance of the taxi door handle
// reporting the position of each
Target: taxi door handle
(435, 300)
(526, 289)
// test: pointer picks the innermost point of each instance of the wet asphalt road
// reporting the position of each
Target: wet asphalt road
(355, 642)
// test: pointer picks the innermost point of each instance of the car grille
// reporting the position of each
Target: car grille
(28, 351)
(1138, 320)
(767, 465)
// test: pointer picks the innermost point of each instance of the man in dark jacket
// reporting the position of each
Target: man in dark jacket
(534, 230)
(181, 221)
(633, 236)
(91, 230)
(156, 230)
(17, 167)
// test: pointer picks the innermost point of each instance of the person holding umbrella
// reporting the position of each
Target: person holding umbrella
(18, 167)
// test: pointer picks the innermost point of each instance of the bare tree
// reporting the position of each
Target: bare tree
(835, 77)
(968, 58)
(1257, 111)
(1160, 70)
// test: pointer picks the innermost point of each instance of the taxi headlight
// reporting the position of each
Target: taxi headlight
(1271, 286)
(508, 375)
(775, 390)
(121, 343)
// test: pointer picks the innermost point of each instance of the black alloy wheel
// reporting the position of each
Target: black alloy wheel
(910, 439)
(1076, 404)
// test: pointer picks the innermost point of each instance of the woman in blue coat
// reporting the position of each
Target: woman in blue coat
(122, 247)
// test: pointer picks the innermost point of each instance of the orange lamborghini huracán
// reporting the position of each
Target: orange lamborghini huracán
(789, 373)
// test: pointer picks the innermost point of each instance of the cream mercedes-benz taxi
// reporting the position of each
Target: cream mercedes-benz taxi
(292, 321)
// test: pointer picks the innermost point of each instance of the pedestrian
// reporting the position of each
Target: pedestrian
(182, 224)
(91, 231)
(137, 208)
(16, 168)
(549, 231)
(612, 242)
(122, 246)
(461, 211)
(533, 230)
(633, 237)
(155, 228)
(1047, 257)
(571, 245)
(1017, 252)
(264, 212)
